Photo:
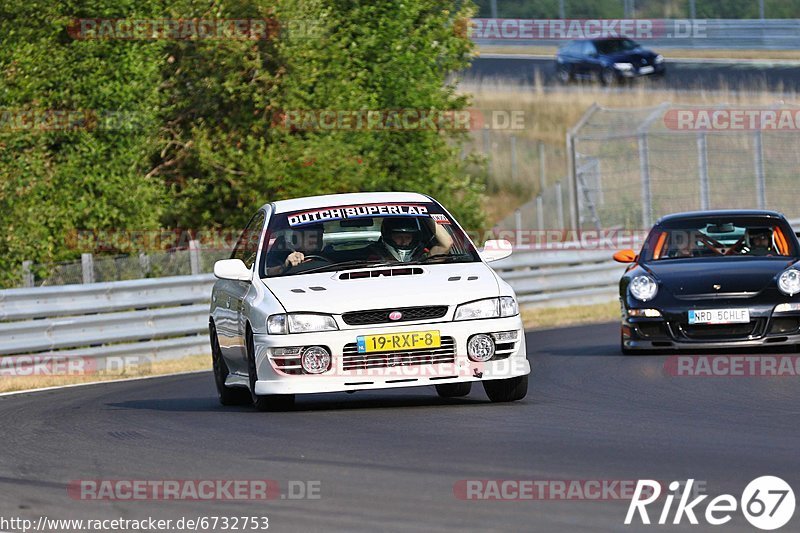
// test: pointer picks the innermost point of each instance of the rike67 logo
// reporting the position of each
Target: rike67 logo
(767, 503)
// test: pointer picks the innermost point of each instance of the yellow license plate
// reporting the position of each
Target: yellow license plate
(412, 340)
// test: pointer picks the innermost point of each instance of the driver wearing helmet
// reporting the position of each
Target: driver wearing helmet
(411, 238)
(759, 241)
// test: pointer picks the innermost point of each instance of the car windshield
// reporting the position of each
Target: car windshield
(720, 237)
(359, 236)
(613, 46)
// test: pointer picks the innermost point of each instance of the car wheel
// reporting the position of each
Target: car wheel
(453, 390)
(564, 74)
(270, 402)
(506, 390)
(608, 76)
(227, 395)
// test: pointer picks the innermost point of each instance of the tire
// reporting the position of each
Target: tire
(564, 74)
(608, 77)
(453, 390)
(226, 395)
(506, 390)
(271, 402)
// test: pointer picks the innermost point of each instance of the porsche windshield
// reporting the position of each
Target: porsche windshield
(720, 237)
(359, 236)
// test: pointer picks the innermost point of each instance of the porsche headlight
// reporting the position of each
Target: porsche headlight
(643, 288)
(789, 282)
(659, 59)
(488, 308)
(299, 323)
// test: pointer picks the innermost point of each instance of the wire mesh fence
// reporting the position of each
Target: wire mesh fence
(633, 166)
(95, 269)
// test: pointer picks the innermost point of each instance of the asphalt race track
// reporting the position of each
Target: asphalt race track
(681, 75)
(388, 460)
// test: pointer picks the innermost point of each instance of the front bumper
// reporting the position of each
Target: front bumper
(637, 72)
(271, 380)
(671, 331)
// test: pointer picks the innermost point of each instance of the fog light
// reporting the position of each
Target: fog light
(315, 360)
(649, 313)
(480, 348)
(786, 308)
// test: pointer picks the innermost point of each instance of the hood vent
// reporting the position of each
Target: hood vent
(387, 272)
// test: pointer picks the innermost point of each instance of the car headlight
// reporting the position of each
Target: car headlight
(643, 288)
(789, 282)
(488, 308)
(659, 59)
(299, 323)
(623, 66)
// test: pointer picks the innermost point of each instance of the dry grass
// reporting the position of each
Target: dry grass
(549, 114)
(691, 53)
(536, 318)
(156, 368)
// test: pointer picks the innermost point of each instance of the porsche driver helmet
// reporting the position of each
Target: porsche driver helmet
(401, 236)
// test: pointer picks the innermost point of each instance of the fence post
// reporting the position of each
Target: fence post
(87, 266)
(542, 168)
(144, 264)
(761, 182)
(644, 170)
(486, 150)
(539, 212)
(194, 256)
(560, 205)
(702, 170)
(573, 183)
(513, 158)
(517, 227)
(27, 274)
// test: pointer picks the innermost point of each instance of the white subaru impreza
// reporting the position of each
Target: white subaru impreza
(362, 291)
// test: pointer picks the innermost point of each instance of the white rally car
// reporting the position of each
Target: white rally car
(362, 291)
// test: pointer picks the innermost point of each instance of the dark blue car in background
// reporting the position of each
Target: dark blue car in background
(607, 60)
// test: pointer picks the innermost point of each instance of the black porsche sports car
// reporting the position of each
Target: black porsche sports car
(712, 279)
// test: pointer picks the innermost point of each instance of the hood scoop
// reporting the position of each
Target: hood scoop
(386, 272)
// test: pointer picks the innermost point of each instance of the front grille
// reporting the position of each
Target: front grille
(711, 332)
(352, 360)
(380, 316)
(651, 329)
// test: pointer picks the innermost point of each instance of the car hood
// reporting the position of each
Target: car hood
(633, 56)
(325, 292)
(698, 276)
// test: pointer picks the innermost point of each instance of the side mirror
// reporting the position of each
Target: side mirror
(625, 256)
(495, 250)
(232, 269)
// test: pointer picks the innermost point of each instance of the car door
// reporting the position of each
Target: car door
(590, 60)
(233, 294)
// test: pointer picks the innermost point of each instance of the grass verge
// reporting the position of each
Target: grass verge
(11, 383)
(574, 315)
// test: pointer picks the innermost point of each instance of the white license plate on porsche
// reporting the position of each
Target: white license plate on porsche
(646, 70)
(719, 316)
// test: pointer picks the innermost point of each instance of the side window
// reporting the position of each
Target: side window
(246, 247)
(588, 49)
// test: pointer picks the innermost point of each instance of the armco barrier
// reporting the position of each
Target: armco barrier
(168, 317)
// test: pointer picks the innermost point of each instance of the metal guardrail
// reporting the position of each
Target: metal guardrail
(161, 318)
(732, 34)
(168, 317)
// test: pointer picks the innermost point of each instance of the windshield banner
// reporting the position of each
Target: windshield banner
(357, 211)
